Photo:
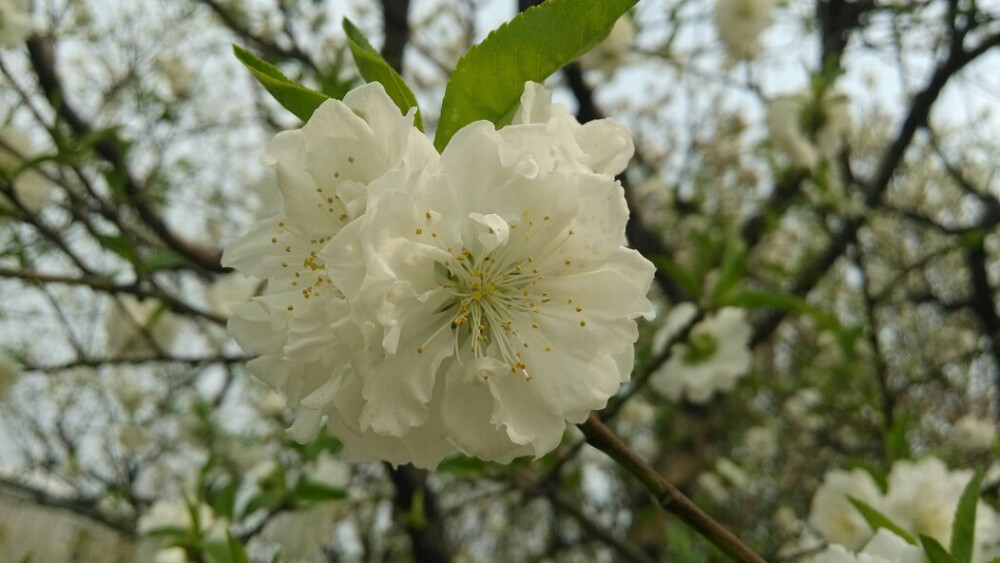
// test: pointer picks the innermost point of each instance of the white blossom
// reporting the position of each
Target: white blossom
(610, 53)
(230, 290)
(884, 547)
(712, 359)
(740, 23)
(16, 23)
(833, 515)
(974, 433)
(171, 555)
(761, 442)
(923, 496)
(807, 127)
(32, 189)
(479, 299)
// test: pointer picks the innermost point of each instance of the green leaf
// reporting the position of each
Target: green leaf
(163, 260)
(675, 272)
(119, 245)
(223, 499)
(489, 79)
(266, 499)
(936, 553)
(896, 446)
(311, 491)
(294, 97)
(734, 265)
(461, 466)
(963, 529)
(373, 68)
(878, 520)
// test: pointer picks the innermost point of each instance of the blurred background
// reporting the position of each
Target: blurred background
(827, 170)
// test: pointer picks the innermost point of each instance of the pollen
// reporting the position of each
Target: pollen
(420, 349)
(419, 231)
(350, 159)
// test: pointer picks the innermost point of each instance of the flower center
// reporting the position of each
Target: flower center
(700, 348)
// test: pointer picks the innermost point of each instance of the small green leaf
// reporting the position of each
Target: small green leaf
(878, 520)
(489, 79)
(294, 97)
(461, 466)
(896, 446)
(119, 245)
(163, 260)
(734, 265)
(223, 499)
(266, 499)
(936, 553)
(675, 272)
(373, 68)
(312, 491)
(963, 529)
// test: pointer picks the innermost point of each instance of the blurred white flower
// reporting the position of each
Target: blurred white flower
(974, 433)
(807, 127)
(711, 485)
(479, 299)
(884, 547)
(129, 325)
(610, 53)
(32, 189)
(712, 359)
(740, 23)
(167, 514)
(330, 471)
(171, 555)
(16, 23)
(761, 442)
(923, 496)
(230, 290)
(179, 76)
(833, 515)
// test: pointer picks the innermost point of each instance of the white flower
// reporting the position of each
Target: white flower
(230, 290)
(833, 515)
(711, 485)
(884, 547)
(740, 23)
(761, 442)
(32, 188)
(974, 433)
(608, 54)
(16, 23)
(807, 127)
(171, 555)
(478, 299)
(179, 76)
(712, 359)
(130, 323)
(922, 498)
(176, 514)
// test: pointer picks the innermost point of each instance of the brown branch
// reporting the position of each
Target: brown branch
(667, 496)
(416, 506)
(105, 285)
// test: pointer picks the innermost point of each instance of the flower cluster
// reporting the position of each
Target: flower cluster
(478, 299)
(921, 498)
(712, 359)
(16, 23)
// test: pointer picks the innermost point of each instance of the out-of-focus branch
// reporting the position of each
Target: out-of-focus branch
(667, 496)
(78, 505)
(397, 31)
(916, 118)
(984, 304)
(268, 47)
(43, 63)
(416, 506)
(105, 285)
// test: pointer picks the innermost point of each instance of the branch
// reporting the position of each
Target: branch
(416, 505)
(43, 63)
(667, 496)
